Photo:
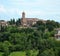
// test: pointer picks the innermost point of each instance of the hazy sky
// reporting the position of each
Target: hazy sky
(42, 9)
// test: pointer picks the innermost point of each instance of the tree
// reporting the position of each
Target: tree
(18, 22)
(6, 46)
(46, 35)
(52, 24)
(12, 21)
(28, 53)
(41, 28)
(48, 52)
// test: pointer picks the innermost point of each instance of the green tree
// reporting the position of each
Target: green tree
(48, 52)
(18, 22)
(28, 53)
(12, 21)
(6, 46)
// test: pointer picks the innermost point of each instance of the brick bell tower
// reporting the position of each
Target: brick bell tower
(23, 20)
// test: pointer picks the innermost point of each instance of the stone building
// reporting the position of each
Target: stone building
(57, 34)
(28, 21)
(3, 23)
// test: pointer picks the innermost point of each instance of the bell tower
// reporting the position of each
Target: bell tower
(23, 20)
(23, 15)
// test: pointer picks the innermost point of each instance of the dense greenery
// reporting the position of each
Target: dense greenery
(17, 39)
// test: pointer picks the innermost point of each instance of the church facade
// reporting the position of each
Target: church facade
(28, 21)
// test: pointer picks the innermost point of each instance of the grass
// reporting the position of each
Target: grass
(1, 53)
(34, 52)
(23, 53)
(18, 54)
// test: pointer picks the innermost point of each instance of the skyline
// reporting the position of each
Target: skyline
(46, 10)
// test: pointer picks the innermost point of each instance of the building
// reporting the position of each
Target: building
(28, 21)
(57, 34)
(3, 23)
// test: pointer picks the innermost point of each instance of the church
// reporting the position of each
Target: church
(28, 21)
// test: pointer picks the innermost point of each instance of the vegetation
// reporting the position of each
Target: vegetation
(17, 54)
(16, 41)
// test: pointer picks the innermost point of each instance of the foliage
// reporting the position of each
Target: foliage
(48, 52)
(15, 38)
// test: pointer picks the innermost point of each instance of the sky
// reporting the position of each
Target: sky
(42, 9)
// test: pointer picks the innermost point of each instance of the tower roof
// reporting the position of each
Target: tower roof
(23, 12)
